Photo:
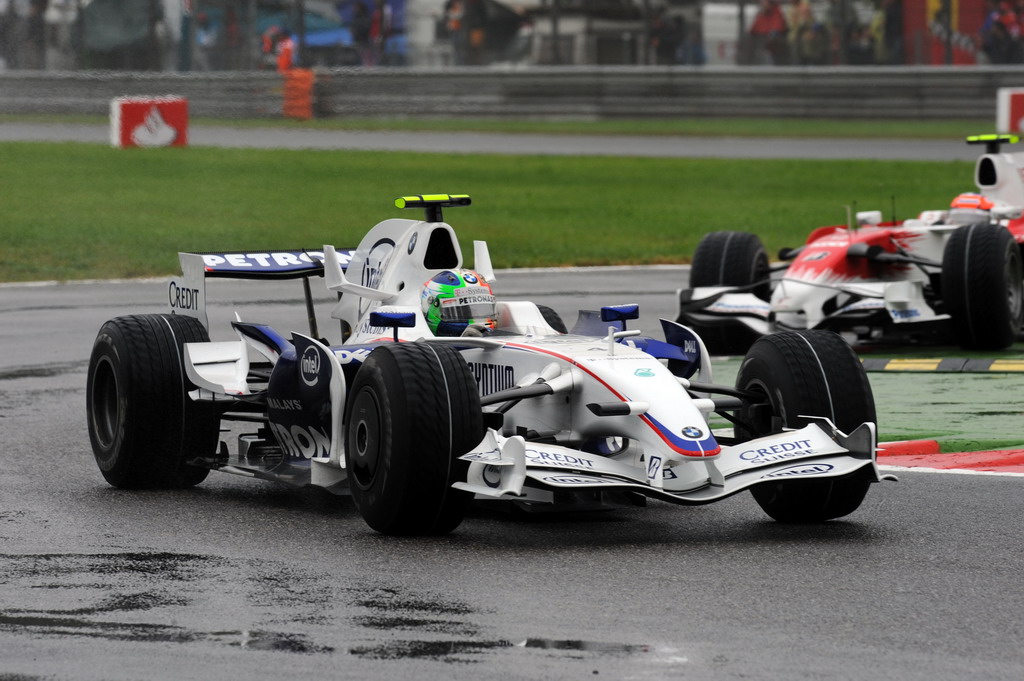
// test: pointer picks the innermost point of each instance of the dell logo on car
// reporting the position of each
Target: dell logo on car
(309, 365)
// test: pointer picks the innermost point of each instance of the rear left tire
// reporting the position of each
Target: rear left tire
(142, 424)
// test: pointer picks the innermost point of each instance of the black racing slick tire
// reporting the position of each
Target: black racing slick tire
(553, 319)
(730, 259)
(413, 410)
(805, 373)
(983, 286)
(143, 426)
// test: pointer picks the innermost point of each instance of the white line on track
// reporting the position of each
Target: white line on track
(954, 471)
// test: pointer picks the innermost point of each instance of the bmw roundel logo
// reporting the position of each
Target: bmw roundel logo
(695, 433)
(470, 279)
(412, 241)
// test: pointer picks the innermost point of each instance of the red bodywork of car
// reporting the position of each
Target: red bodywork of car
(824, 258)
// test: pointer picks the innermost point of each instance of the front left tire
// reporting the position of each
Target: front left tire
(733, 259)
(413, 410)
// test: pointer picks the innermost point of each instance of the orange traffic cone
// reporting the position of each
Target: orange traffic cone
(298, 94)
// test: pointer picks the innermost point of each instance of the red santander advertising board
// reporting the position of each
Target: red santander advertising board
(149, 122)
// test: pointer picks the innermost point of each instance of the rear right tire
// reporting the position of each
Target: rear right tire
(553, 319)
(983, 286)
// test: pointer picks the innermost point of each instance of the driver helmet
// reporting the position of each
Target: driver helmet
(453, 300)
(969, 208)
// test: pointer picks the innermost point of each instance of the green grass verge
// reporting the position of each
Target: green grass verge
(1015, 351)
(76, 211)
(689, 127)
(693, 127)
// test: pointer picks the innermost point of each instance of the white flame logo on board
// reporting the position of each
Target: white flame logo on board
(154, 131)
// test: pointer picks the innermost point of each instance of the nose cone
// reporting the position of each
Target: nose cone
(688, 435)
(671, 417)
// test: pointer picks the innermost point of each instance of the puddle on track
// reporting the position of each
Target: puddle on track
(44, 370)
(140, 597)
(462, 651)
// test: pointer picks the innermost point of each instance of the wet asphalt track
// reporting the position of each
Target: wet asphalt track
(244, 579)
(604, 145)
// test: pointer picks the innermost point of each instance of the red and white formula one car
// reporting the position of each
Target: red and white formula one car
(952, 275)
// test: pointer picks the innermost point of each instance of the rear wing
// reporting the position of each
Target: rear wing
(265, 264)
(186, 295)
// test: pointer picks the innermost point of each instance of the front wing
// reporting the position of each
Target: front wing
(502, 467)
(895, 305)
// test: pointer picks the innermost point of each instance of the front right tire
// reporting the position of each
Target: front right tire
(800, 374)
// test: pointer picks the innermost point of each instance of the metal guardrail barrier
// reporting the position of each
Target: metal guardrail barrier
(591, 92)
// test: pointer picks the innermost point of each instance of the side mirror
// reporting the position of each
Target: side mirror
(393, 320)
(619, 313)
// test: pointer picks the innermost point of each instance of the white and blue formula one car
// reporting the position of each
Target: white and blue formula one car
(414, 419)
(947, 275)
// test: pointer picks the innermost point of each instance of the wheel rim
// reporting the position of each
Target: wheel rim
(106, 417)
(760, 417)
(365, 441)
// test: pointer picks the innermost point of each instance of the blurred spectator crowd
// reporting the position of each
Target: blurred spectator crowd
(279, 34)
(23, 34)
(796, 34)
(1002, 33)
